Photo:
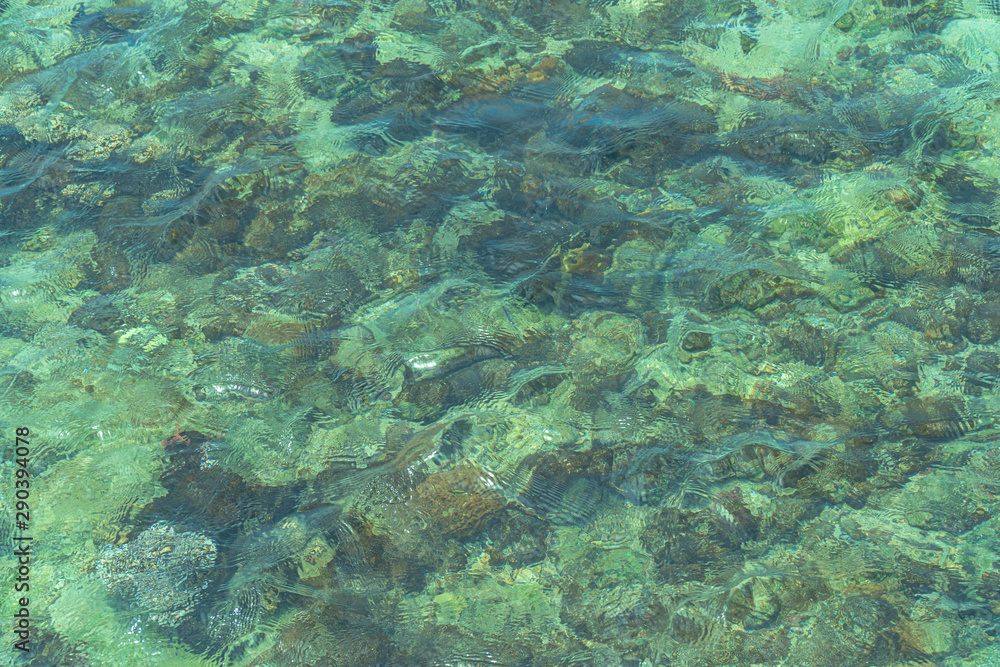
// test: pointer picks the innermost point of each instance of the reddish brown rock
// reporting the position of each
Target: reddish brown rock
(459, 502)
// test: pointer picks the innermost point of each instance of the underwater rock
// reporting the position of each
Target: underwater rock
(754, 289)
(240, 373)
(578, 283)
(604, 345)
(697, 341)
(112, 270)
(808, 343)
(982, 369)
(939, 501)
(489, 119)
(983, 325)
(100, 314)
(891, 353)
(932, 418)
(783, 140)
(203, 255)
(973, 40)
(852, 630)
(336, 636)
(459, 502)
(435, 364)
(518, 540)
(846, 295)
(160, 571)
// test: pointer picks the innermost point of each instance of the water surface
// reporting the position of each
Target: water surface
(438, 333)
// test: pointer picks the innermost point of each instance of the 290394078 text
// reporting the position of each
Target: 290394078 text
(22, 541)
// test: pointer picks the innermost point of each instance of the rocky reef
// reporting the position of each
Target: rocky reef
(161, 572)
(568, 333)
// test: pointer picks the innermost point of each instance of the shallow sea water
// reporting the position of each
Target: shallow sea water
(602, 333)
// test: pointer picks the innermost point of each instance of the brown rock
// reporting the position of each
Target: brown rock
(983, 326)
(459, 502)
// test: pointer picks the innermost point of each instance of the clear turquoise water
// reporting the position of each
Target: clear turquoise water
(434, 333)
